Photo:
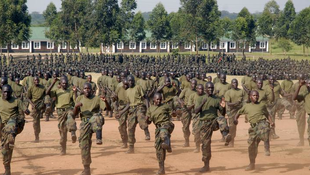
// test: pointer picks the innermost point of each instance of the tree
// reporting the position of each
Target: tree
(136, 31)
(267, 21)
(246, 24)
(299, 30)
(15, 22)
(176, 20)
(285, 20)
(106, 23)
(285, 45)
(50, 14)
(126, 16)
(159, 24)
(239, 32)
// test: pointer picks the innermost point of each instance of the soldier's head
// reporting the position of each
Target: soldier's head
(6, 92)
(254, 77)
(271, 79)
(17, 80)
(39, 73)
(218, 74)
(200, 89)
(125, 83)
(157, 99)
(188, 77)
(4, 81)
(168, 82)
(82, 74)
(254, 96)
(301, 77)
(143, 75)
(131, 81)
(36, 80)
(89, 78)
(111, 73)
(223, 78)
(10, 76)
(55, 74)
(209, 78)
(193, 84)
(259, 83)
(234, 83)
(64, 82)
(209, 88)
(287, 76)
(87, 90)
(203, 76)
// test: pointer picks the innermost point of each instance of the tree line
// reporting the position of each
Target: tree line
(94, 23)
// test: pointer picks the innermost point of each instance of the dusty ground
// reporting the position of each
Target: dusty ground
(43, 158)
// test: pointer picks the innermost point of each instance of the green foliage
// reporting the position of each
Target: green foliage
(37, 19)
(286, 18)
(159, 24)
(136, 31)
(268, 19)
(14, 22)
(285, 45)
(299, 30)
(126, 16)
(50, 14)
(175, 52)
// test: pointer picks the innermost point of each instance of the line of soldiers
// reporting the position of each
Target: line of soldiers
(191, 96)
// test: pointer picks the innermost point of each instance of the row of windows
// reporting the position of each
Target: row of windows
(232, 45)
(37, 45)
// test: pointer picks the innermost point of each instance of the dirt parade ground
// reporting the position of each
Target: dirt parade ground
(44, 158)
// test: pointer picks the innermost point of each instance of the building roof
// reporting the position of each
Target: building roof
(38, 34)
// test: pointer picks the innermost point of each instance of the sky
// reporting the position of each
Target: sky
(173, 5)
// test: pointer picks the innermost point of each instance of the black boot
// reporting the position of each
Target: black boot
(86, 170)
(73, 136)
(147, 134)
(131, 150)
(161, 168)
(206, 167)
(99, 137)
(7, 170)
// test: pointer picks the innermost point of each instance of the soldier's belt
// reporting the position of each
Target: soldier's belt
(208, 120)
(253, 125)
(85, 119)
(62, 109)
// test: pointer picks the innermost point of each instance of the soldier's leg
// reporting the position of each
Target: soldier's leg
(253, 142)
(292, 110)
(36, 115)
(48, 109)
(161, 156)
(301, 123)
(232, 131)
(7, 143)
(63, 140)
(122, 128)
(222, 122)
(196, 133)
(186, 120)
(308, 121)
(85, 145)
(141, 111)
(132, 123)
(206, 132)
(71, 125)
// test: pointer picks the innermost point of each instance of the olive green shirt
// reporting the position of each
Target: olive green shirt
(158, 114)
(144, 85)
(64, 98)
(135, 95)
(17, 90)
(304, 96)
(50, 82)
(122, 96)
(185, 94)
(221, 88)
(90, 106)
(210, 108)
(287, 85)
(216, 80)
(169, 93)
(255, 112)
(36, 93)
(185, 84)
(10, 108)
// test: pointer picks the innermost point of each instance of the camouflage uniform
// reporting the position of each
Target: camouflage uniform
(91, 121)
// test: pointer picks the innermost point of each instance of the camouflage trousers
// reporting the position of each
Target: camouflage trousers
(37, 114)
(301, 120)
(257, 132)
(88, 126)
(9, 130)
(196, 128)
(186, 121)
(122, 128)
(279, 104)
(291, 108)
(136, 115)
(50, 105)
(66, 123)
(206, 130)
(308, 121)
(162, 135)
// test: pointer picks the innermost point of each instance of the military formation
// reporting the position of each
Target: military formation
(140, 90)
